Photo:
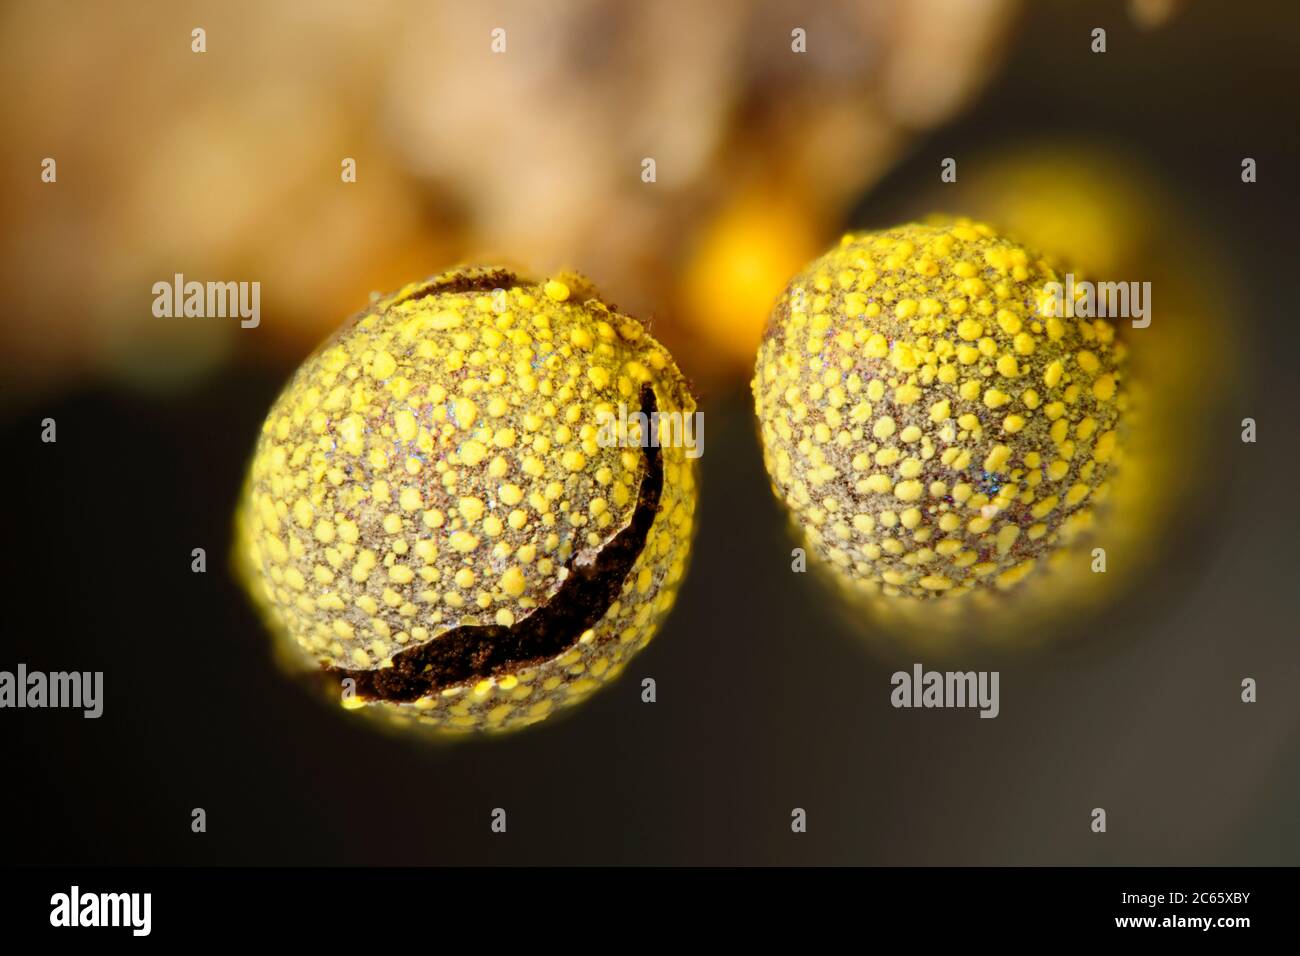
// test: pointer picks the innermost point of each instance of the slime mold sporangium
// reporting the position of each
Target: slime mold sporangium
(432, 520)
(932, 430)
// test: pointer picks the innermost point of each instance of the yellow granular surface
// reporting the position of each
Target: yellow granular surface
(931, 427)
(437, 464)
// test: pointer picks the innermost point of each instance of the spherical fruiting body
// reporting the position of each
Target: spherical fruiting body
(931, 422)
(438, 515)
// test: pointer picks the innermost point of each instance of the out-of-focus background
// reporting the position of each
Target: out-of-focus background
(225, 165)
(228, 163)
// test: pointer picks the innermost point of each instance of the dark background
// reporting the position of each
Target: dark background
(768, 700)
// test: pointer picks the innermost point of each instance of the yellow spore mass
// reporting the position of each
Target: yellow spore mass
(932, 425)
(431, 511)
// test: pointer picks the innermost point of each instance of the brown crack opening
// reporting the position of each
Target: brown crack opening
(466, 280)
(474, 652)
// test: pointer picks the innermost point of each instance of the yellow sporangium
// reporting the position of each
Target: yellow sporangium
(431, 521)
(931, 429)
